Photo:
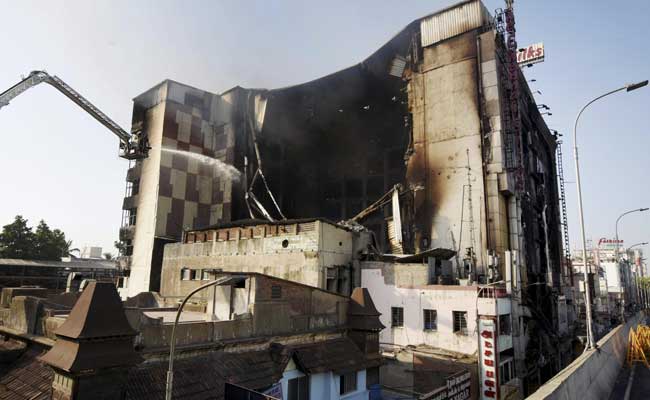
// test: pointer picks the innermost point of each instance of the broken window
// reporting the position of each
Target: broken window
(397, 316)
(348, 382)
(298, 388)
(460, 322)
(276, 292)
(430, 320)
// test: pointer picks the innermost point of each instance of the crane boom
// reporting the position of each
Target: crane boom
(133, 145)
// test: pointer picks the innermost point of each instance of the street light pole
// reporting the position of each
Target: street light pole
(590, 337)
(618, 261)
(172, 340)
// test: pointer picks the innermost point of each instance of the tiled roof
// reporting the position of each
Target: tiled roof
(28, 378)
(362, 313)
(338, 355)
(95, 335)
(204, 377)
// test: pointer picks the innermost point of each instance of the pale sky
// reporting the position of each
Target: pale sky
(60, 165)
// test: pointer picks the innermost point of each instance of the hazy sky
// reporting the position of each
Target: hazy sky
(59, 164)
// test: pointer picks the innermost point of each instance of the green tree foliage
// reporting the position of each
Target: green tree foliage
(18, 240)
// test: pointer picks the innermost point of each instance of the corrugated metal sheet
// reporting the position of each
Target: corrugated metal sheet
(453, 21)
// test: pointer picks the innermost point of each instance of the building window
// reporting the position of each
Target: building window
(205, 274)
(276, 292)
(504, 324)
(506, 372)
(396, 316)
(430, 320)
(195, 274)
(460, 322)
(348, 382)
(185, 274)
(298, 388)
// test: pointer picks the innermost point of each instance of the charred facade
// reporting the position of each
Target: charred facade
(428, 116)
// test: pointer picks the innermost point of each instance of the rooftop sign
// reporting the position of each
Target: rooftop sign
(532, 54)
(609, 241)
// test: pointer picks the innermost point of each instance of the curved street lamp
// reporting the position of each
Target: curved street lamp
(172, 341)
(629, 88)
(619, 218)
(636, 245)
(616, 253)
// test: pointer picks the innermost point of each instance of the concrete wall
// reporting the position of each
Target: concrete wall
(258, 312)
(593, 374)
(310, 249)
(143, 241)
(447, 143)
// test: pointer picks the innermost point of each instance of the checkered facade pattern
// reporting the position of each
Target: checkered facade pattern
(191, 194)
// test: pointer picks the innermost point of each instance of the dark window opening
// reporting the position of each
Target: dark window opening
(504, 324)
(397, 316)
(348, 383)
(276, 292)
(430, 320)
(298, 388)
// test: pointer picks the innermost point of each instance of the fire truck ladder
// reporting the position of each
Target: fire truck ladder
(133, 145)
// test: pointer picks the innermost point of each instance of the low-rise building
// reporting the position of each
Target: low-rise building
(263, 334)
(429, 318)
(313, 252)
(54, 274)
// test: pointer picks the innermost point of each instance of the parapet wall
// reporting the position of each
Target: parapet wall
(593, 374)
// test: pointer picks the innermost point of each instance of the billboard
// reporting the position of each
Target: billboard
(458, 388)
(532, 54)
(488, 359)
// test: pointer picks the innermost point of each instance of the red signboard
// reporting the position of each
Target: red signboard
(488, 359)
(609, 241)
(531, 54)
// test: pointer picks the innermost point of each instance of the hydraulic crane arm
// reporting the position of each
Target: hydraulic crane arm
(133, 145)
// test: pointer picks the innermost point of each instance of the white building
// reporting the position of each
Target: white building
(321, 386)
(91, 252)
(420, 314)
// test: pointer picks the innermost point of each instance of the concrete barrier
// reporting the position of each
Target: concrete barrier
(593, 374)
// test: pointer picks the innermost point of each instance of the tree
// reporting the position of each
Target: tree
(17, 240)
(49, 244)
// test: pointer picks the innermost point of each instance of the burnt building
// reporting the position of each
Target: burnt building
(435, 138)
